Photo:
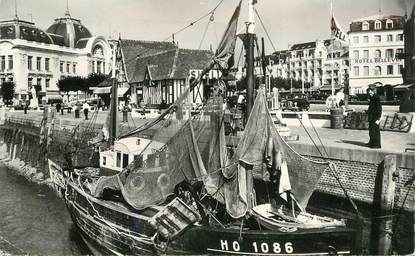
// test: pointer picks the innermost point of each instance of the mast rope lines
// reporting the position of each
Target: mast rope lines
(195, 21)
(266, 31)
(332, 167)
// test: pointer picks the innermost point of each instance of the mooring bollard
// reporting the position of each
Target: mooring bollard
(383, 202)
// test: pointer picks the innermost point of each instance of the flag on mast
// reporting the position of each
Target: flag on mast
(337, 32)
(226, 48)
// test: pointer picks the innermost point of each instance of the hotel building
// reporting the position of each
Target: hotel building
(374, 43)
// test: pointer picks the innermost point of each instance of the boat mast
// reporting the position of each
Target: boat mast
(114, 98)
(249, 41)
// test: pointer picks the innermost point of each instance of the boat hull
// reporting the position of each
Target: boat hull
(113, 231)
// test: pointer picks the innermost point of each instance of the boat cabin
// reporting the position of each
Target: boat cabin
(125, 151)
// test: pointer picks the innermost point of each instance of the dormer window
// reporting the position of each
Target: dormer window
(365, 25)
(389, 24)
(378, 24)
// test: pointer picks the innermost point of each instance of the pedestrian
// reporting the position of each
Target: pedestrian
(58, 107)
(340, 98)
(374, 114)
(85, 107)
(76, 109)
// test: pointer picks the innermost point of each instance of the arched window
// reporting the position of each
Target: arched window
(389, 24)
(378, 54)
(378, 24)
(378, 71)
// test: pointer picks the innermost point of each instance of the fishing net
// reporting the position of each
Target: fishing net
(259, 154)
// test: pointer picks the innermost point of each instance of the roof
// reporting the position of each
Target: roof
(131, 49)
(20, 29)
(397, 23)
(71, 30)
(302, 46)
(172, 64)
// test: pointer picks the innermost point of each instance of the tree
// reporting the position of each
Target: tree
(7, 91)
(72, 83)
(95, 79)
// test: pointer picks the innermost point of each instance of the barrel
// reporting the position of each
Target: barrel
(336, 118)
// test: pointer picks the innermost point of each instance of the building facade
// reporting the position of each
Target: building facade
(374, 43)
(32, 57)
(318, 64)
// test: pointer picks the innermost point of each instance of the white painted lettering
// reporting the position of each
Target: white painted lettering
(224, 245)
(236, 246)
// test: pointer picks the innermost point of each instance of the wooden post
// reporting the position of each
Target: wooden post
(383, 202)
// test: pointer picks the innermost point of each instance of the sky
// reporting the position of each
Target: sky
(287, 21)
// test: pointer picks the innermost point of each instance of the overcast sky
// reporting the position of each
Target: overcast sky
(287, 21)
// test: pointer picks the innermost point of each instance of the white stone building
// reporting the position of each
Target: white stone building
(374, 43)
(312, 62)
(31, 56)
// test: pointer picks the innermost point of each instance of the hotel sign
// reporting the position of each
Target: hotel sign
(377, 60)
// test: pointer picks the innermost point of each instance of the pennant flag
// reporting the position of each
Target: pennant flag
(226, 48)
(337, 32)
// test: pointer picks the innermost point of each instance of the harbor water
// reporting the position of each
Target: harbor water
(34, 220)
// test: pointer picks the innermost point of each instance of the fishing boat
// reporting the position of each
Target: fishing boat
(194, 196)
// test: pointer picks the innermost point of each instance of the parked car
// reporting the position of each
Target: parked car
(295, 103)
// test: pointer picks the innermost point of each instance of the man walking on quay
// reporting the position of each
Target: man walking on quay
(374, 114)
(86, 109)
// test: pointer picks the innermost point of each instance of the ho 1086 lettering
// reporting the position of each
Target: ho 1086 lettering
(258, 247)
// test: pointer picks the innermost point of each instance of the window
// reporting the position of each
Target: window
(365, 39)
(389, 38)
(10, 62)
(355, 54)
(124, 160)
(389, 24)
(378, 71)
(2, 63)
(378, 39)
(389, 53)
(93, 66)
(38, 64)
(365, 26)
(400, 69)
(399, 37)
(29, 62)
(74, 68)
(47, 82)
(378, 24)
(356, 71)
(365, 54)
(103, 66)
(104, 160)
(366, 70)
(61, 66)
(68, 67)
(118, 160)
(389, 70)
(39, 81)
(99, 67)
(29, 83)
(378, 54)
(47, 64)
(355, 39)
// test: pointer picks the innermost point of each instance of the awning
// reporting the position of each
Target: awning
(403, 87)
(101, 90)
(328, 88)
(54, 97)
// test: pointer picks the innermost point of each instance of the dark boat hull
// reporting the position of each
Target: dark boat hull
(114, 231)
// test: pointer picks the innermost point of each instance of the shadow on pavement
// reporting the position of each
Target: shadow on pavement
(357, 143)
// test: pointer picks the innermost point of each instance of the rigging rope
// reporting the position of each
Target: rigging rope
(332, 168)
(204, 34)
(195, 21)
(266, 31)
